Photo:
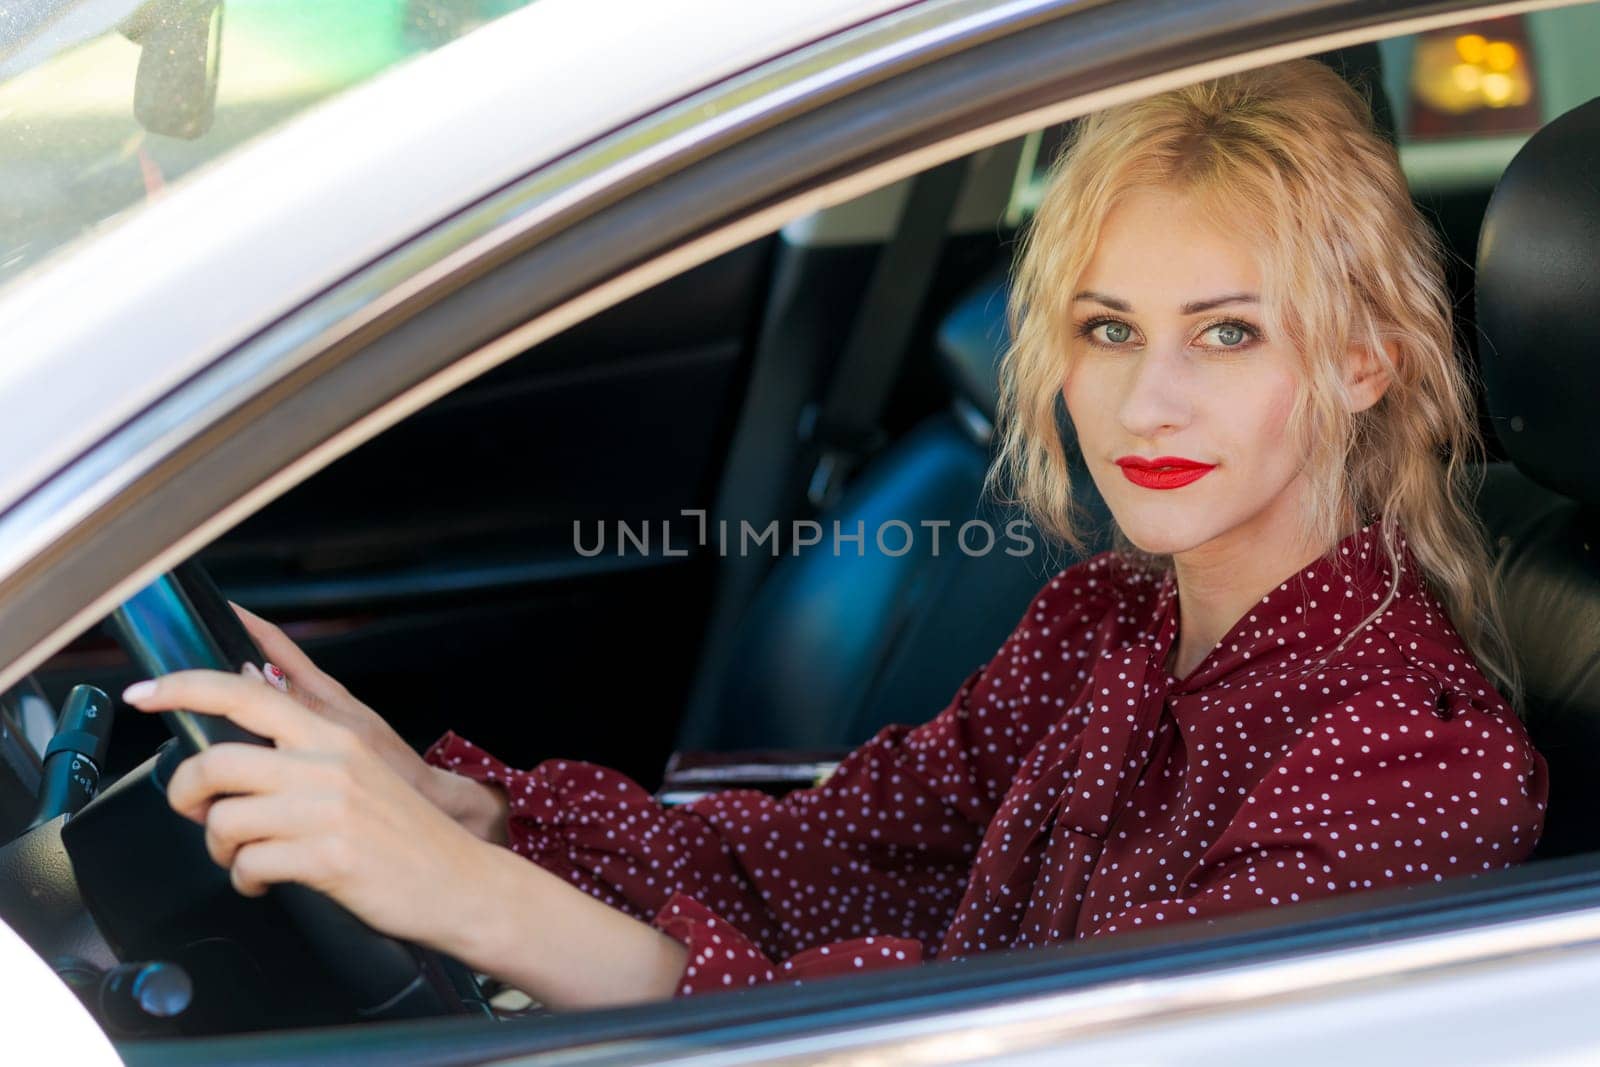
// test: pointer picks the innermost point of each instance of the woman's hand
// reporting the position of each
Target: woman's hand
(480, 808)
(323, 810)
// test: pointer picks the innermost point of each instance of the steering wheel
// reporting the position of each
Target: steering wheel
(182, 621)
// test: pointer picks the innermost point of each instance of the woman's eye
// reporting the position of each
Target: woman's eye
(1117, 332)
(1106, 333)
(1228, 334)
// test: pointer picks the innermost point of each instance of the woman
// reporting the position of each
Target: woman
(1271, 694)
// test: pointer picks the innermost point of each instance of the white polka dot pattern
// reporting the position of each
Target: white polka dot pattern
(1074, 788)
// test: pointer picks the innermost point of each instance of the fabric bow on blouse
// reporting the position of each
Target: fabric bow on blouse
(1073, 787)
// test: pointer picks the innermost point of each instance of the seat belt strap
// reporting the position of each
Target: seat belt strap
(846, 428)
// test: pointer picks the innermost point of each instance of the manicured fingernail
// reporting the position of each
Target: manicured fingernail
(250, 670)
(276, 677)
(138, 691)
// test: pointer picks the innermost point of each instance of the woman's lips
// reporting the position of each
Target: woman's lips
(1163, 472)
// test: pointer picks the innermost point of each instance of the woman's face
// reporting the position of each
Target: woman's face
(1179, 396)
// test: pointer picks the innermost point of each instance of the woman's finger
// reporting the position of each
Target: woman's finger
(279, 648)
(236, 821)
(260, 864)
(245, 701)
(230, 769)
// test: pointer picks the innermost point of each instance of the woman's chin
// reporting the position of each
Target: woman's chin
(1162, 534)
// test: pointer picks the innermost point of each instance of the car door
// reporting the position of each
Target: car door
(1002, 73)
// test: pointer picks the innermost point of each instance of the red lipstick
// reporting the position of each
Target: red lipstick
(1163, 472)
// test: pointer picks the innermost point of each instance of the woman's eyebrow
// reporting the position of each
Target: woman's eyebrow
(1194, 307)
(1100, 298)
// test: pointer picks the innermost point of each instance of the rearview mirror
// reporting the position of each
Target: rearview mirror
(180, 53)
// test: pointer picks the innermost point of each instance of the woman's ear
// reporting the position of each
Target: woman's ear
(1367, 374)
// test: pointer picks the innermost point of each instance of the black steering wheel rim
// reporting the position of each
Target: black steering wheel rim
(181, 621)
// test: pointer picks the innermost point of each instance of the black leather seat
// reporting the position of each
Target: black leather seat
(836, 646)
(1538, 290)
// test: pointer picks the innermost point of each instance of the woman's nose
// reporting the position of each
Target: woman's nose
(1157, 400)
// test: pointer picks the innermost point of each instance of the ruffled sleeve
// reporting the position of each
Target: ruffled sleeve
(1407, 782)
(862, 872)
(744, 880)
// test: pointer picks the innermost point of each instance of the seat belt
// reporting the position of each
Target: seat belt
(840, 432)
(845, 428)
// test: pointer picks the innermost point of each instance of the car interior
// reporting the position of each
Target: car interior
(454, 577)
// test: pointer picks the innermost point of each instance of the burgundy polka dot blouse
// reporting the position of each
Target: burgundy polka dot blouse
(1074, 788)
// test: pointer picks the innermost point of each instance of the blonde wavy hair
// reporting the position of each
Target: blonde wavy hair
(1290, 155)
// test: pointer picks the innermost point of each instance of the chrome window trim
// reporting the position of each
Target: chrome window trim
(33, 529)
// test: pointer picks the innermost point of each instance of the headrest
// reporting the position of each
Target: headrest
(972, 338)
(1539, 305)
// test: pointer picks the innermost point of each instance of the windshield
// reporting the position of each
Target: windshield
(107, 103)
